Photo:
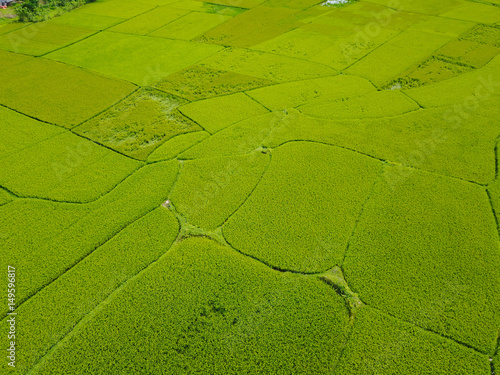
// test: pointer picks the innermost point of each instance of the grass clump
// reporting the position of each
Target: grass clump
(139, 124)
(210, 190)
(62, 233)
(450, 247)
(223, 111)
(46, 90)
(380, 344)
(200, 82)
(213, 311)
(294, 227)
(82, 288)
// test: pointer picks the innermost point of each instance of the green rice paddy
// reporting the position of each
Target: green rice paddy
(251, 187)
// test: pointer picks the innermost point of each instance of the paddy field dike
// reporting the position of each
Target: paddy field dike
(251, 187)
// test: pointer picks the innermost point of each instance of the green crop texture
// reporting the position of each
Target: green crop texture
(92, 280)
(175, 145)
(259, 321)
(288, 95)
(45, 90)
(380, 344)
(224, 111)
(39, 39)
(200, 81)
(209, 191)
(190, 26)
(149, 21)
(148, 59)
(71, 169)
(64, 233)
(448, 245)
(267, 66)
(299, 215)
(232, 187)
(139, 124)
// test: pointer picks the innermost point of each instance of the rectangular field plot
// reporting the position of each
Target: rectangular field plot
(474, 11)
(397, 55)
(267, 66)
(200, 82)
(46, 90)
(252, 27)
(190, 26)
(149, 21)
(41, 38)
(139, 59)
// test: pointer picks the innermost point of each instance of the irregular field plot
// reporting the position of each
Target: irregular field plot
(212, 311)
(86, 20)
(53, 84)
(62, 234)
(381, 344)
(84, 287)
(435, 266)
(66, 168)
(296, 226)
(210, 190)
(267, 66)
(139, 124)
(139, 59)
(19, 132)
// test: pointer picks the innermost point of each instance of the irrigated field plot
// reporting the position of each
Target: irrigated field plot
(252, 187)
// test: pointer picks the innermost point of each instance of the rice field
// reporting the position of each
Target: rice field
(251, 187)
